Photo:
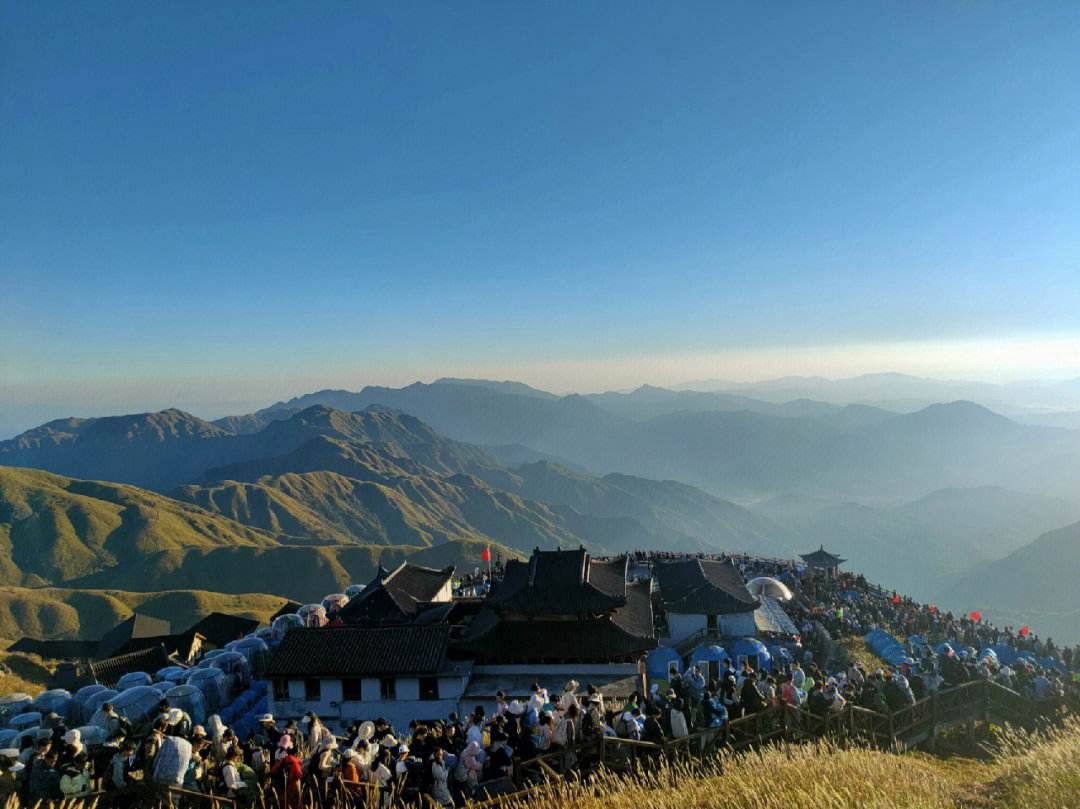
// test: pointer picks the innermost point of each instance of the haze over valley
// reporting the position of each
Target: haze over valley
(948, 501)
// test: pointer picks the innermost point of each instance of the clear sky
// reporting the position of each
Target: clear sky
(211, 204)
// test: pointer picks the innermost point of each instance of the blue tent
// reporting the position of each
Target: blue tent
(708, 653)
(660, 661)
(754, 650)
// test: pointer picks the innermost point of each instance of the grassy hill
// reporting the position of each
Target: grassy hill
(54, 612)
(1025, 772)
(54, 529)
(104, 536)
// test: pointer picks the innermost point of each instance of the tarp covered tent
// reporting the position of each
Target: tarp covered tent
(134, 679)
(171, 674)
(312, 615)
(13, 705)
(25, 720)
(8, 738)
(211, 681)
(190, 699)
(254, 650)
(93, 735)
(137, 705)
(282, 624)
(56, 700)
(334, 602)
(82, 697)
(236, 669)
(660, 662)
(753, 650)
(95, 701)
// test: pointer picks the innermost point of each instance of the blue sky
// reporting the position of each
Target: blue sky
(216, 203)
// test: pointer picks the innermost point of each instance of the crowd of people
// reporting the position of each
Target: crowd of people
(302, 763)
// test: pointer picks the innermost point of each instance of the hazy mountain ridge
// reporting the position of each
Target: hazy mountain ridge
(1036, 585)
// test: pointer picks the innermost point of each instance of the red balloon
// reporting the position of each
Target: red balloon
(1025, 631)
(976, 616)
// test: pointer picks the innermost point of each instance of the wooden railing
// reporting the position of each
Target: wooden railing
(980, 701)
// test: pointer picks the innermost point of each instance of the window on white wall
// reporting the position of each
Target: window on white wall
(281, 689)
(313, 689)
(352, 689)
(429, 688)
(387, 688)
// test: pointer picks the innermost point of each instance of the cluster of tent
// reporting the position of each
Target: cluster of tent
(888, 648)
(660, 662)
(221, 683)
(893, 652)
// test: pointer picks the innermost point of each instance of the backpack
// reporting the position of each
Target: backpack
(559, 735)
(251, 781)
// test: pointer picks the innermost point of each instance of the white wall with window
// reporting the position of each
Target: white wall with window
(340, 701)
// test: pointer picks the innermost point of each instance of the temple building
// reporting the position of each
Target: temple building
(704, 599)
(822, 560)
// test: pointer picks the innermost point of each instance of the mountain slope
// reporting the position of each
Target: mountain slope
(84, 534)
(55, 613)
(54, 529)
(1035, 584)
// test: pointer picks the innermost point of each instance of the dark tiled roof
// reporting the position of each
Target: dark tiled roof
(108, 671)
(703, 587)
(821, 558)
(397, 596)
(595, 640)
(56, 649)
(219, 628)
(179, 645)
(361, 651)
(636, 618)
(137, 626)
(561, 583)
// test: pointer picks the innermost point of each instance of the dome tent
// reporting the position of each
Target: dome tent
(13, 705)
(709, 653)
(95, 701)
(334, 602)
(170, 674)
(134, 679)
(56, 700)
(25, 721)
(660, 662)
(354, 590)
(282, 624)
(753, 650)
(8, 738)
(190, 699)
(312, 615)
(211, 681)
(137, 705)
(254, 650)
(82, 697)
(769, 588)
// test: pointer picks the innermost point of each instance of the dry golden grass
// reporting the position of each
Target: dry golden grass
(1027, 772)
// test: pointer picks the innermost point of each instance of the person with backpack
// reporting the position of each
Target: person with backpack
(240, 779)
(286, 775)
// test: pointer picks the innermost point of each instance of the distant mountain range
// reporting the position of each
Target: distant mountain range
(1034, 585)
(1049, 403)
(733, 446)
(308, 495)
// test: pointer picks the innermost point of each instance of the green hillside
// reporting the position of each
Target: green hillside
(55, 612)
(54, 529)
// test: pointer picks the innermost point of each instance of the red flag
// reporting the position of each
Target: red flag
(1025, 630)
(976, 616)
(895, 599)
(486, 555)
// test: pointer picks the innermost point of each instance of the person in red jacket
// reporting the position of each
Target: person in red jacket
(286, 775)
